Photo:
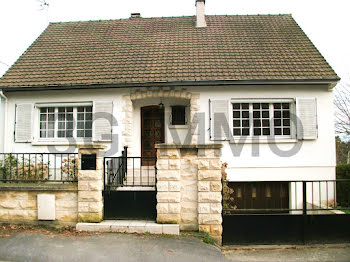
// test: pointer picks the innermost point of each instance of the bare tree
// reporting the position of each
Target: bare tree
(342, 103)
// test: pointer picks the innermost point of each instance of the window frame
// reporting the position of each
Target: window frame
(185, 116)
(262, 138)
(56, 107)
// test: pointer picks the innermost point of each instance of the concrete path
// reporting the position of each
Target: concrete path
(107, 247)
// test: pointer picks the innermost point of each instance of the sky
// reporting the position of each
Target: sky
(326, 22)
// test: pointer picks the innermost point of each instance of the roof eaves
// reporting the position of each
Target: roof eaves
(174, 83)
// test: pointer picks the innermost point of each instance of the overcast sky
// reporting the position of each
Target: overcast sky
(326, 22)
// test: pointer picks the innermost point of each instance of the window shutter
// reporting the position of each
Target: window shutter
(219, 116)
(102, 120)
(23, 124)
(307, 118)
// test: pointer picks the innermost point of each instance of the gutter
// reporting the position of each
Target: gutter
(330, 82)
(5, 118)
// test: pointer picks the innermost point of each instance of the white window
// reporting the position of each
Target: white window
(65, 122)
(262, 118)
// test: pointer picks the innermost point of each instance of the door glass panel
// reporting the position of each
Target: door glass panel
(158, 123)
(147, 133)
(147, 123)
(157, 134)
(268, 191)
(239, 192)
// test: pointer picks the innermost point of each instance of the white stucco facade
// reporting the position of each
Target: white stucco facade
(314, 160)
(2, 123)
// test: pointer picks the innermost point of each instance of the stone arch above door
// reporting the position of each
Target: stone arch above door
(138, 94)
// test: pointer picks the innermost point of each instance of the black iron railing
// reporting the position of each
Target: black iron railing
(39, 167)
(115, 169)
(125, 171)
(292, 197)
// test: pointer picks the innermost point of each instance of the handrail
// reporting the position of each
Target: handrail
(125, 171)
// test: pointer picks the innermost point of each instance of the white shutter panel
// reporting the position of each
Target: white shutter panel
(219, 120)
(23, 124)
(102, 120)
(307, 118)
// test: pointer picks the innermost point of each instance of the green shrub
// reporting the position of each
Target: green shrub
(13, 168)
(343, 171)
(37, 168)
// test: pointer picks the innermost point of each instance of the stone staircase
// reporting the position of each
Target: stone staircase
(130, 226)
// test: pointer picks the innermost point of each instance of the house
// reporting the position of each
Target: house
(252, 87)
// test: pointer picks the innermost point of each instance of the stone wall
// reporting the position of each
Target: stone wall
(18, 203)
(189, 187)
(76, 202)
(90, 186)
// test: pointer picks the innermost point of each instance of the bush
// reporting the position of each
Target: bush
(12, 168)
(343, 188)
(38, 168)
(343, 171)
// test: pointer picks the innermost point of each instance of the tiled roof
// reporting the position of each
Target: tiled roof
(252, 47)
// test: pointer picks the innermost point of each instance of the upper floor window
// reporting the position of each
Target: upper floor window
(262, 119)
(178, 115)
(58, 122)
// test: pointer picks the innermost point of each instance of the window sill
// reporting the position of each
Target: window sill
(62, 142)
(178, 126)
(250, 140)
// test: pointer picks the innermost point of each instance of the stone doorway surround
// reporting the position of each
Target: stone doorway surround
(189, 187)
(156, 92)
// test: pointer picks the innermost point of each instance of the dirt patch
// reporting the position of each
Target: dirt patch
(7, 230)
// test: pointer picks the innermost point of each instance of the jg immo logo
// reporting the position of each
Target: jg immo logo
(216, 129)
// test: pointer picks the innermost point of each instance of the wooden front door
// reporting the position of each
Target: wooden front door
(152, 131)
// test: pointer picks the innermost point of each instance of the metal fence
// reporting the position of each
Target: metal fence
(127, 171)
(275, 212)
(39, 167)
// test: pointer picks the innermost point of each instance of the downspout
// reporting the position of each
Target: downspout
(5, 118)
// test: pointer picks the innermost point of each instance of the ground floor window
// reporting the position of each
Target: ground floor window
(262, 119)
(65, 122)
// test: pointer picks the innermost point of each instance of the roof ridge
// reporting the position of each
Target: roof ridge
(165, 17)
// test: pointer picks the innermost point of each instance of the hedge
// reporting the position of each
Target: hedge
(343, 188)
(343, 171)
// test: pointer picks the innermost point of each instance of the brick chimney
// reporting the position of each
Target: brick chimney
(200, 13)
(135, 15)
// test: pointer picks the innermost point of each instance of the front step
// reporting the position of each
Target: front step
(130, 226)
